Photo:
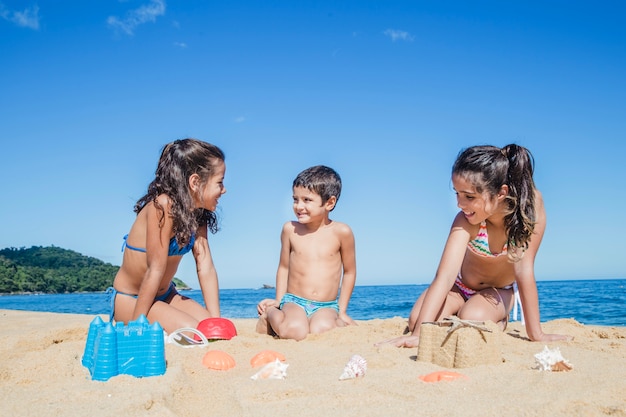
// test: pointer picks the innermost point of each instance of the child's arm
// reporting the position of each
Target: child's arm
(157, 245)
(282, 274)
(348, 259)
(525, 278)
(449, 267)
(207, 274)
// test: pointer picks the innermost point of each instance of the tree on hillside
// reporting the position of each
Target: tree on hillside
(55, 270)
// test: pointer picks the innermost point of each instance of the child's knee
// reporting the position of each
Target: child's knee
(480, 314)
(323, 321)
(322, 326)
(293, 331)
(472, 314)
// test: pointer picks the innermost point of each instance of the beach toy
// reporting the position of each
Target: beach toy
(179, 338)
(442, 376)
(136, 349)
(216, 328)
(266, 356)
(356, 367)
(218, 360)
(272, 370)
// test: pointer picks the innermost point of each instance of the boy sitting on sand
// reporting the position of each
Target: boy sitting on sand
(315, 253)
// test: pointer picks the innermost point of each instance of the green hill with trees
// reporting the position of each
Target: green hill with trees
(54, 270)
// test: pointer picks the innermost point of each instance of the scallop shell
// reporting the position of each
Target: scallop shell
(218, 360)
(272, 370)
(442, 376)
(355, 368)
(552, 360)
(266, 356)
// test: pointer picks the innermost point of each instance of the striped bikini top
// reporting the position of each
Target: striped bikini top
(480, 244)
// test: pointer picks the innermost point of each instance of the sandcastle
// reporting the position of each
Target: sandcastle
(456, 343)
(135, 349)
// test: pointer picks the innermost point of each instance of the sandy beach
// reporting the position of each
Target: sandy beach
(41, 374)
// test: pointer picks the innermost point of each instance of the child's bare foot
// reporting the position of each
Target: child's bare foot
(263, 327)
(261, 324)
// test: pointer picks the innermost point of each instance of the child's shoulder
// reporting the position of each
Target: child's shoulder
(162, 200)
(160, 203)
(339, 224)
(341, 228)
(290, 225)
(461, 223)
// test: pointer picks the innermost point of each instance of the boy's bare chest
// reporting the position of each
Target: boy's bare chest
(315, 245)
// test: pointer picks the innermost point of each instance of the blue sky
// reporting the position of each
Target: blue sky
(385, 92)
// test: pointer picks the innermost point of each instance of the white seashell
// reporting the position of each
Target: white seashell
(356, 367)
(272, 370)
(552, 360)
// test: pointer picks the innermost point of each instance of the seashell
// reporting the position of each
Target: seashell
(272, 370)
(552, 360)
(216, 328)
(561, 366)
(218, 360)
(442, 376)
(265, 357)
(356, 367)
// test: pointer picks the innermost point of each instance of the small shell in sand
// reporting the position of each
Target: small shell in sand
(552, 360)
(218, 360)
(272, 370)
(356, 367)
(265, 357)
(442, 376)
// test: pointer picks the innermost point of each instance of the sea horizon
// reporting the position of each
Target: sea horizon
(589, 301)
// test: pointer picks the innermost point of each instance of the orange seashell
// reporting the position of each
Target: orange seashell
(218, 360)
(266, 356)
(442, 376)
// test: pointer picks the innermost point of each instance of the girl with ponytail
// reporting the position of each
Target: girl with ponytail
(492, 245)
(174, 217)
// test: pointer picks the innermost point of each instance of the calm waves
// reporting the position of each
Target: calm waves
(598, 302)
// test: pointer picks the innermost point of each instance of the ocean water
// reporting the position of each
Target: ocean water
(597, 302)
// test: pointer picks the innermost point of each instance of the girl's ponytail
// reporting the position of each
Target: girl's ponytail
(520, 222)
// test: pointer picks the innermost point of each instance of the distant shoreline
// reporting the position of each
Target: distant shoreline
(268, 286)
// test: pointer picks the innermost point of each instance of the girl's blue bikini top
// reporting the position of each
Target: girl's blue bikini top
(173, 250)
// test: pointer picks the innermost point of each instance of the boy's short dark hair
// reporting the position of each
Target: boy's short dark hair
(320, 179)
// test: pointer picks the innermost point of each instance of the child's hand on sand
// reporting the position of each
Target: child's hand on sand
(347, 319)
(554, 338)
(264, 304)
(402, 341)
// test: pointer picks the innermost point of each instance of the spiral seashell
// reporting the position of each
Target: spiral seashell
(272, 370)
(265, 357)
(356, 367)
(552, 360)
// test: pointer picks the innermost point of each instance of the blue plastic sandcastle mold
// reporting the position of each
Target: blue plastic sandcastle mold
(136, 349)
